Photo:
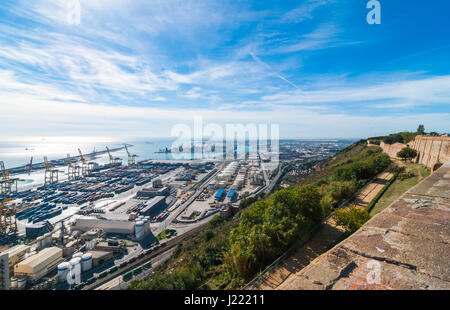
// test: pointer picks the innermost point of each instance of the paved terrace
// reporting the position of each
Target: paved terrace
(406, 246)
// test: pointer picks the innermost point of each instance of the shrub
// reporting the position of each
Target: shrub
(351, 218)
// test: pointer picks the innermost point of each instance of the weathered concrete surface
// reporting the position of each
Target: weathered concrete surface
(406, 246)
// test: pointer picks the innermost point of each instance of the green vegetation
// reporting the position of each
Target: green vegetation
(407, 153)
(249, 201)
(381, 192)
(411, 175)
(394, 138)
(401, 137)
(167, 233)
(269, 227)
(351, 218)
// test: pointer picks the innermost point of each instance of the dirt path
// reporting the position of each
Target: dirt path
(369, 192)
(327, 236)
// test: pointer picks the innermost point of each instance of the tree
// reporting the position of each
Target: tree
(394, 138)
(351, 218)
(407, 153)
(421, 130)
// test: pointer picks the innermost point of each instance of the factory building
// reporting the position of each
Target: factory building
(100, 257)
(154, 204)
(108, 226)
(148, 193)
(37, 266)
(16, 253)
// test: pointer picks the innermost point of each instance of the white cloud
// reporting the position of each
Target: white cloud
(421, 91)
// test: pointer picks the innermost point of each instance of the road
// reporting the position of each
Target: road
(163, 225)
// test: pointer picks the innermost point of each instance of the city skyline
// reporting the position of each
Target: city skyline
(134, 69)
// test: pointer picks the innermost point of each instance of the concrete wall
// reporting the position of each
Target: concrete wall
(430, 150)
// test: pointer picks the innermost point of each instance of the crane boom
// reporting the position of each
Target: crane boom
(5, 175)
(109, 153)
(30, 165)
(47, 165)
(82, 157)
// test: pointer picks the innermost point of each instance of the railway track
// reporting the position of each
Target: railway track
(139, 261)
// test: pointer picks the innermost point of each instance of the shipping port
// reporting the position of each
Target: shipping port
(109, 221)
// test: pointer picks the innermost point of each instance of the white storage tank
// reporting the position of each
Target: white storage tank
(75, 261)
(21, 283)
(145, 225)
(139, 229)
(86, 262)
(78, 254)
(39, 242)
(63, 270)
(14, 283)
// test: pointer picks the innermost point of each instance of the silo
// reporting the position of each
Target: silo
(86, 262)
(14, 283)
(39, 242)
(63, 270)
(75, 261)
(48, 240)
(149, 220)
(78, 254)
(139, 229)
(145, 226)
(21, 283)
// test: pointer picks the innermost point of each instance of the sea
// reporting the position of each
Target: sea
(17, 154)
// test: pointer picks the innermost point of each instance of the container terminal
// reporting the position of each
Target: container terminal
(105, 219)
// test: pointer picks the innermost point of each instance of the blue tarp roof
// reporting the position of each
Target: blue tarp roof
(219, 193)
(231, 193)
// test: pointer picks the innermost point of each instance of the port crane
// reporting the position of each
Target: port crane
(113, 161)
(131, 157)
(7, 185)
(86, 167)
(30, 166)
(73, 171)
(8, 222)
(51, 174)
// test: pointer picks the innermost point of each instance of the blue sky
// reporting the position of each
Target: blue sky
(137, 68)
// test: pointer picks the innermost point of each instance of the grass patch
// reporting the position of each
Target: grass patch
(401, 185)
(165, 234)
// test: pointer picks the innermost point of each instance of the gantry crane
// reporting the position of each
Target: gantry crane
(131, 157)
(113, 161)
(7, 185)
(51, 174)
(8, 222)
(86, 167)
(73, 171)
(30, 166)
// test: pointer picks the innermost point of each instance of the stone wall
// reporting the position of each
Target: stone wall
(430, 150)
(404, 247)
